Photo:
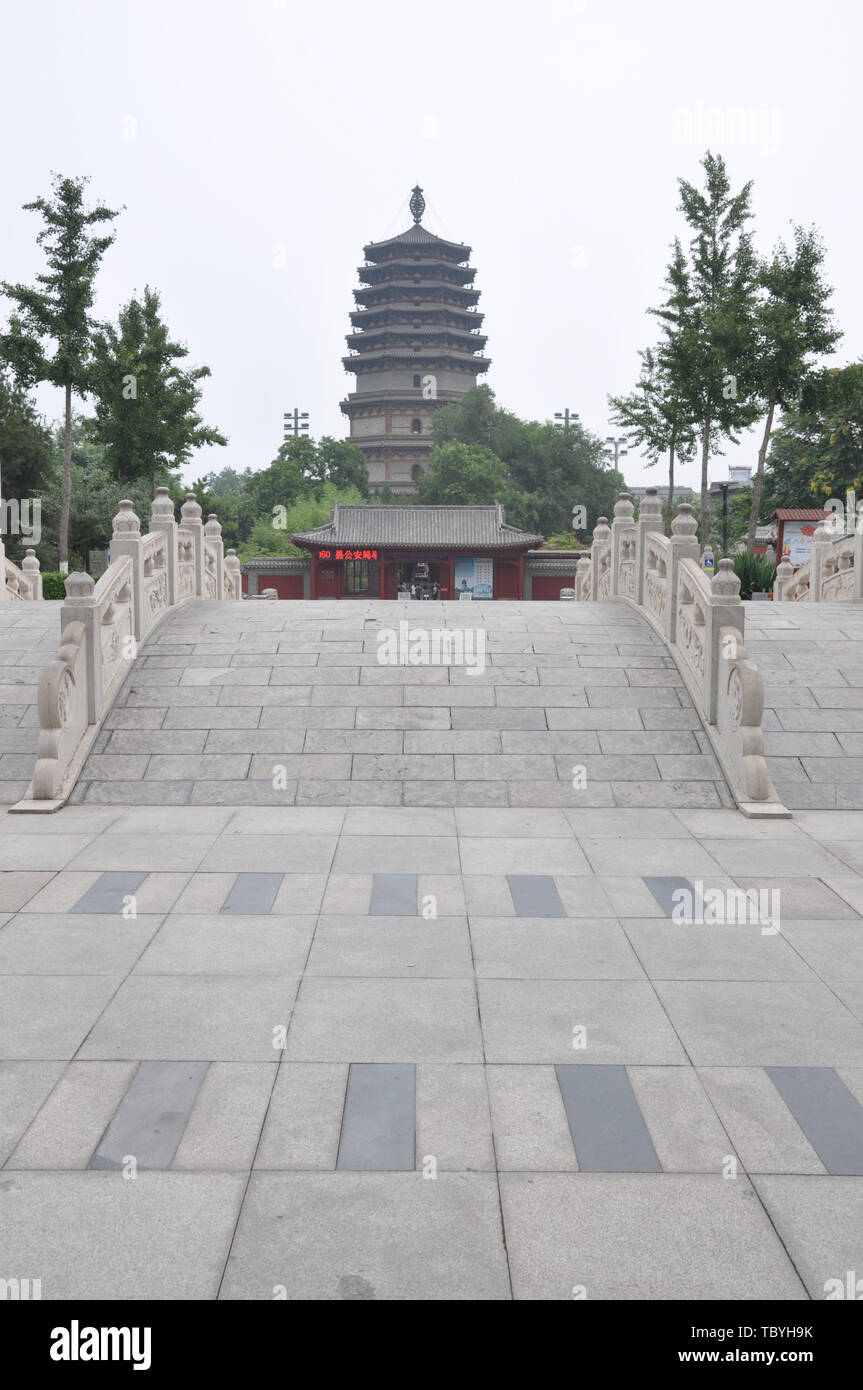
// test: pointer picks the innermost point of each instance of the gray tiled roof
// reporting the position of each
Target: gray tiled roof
(279, 564)
(483, 527)
(414, 236)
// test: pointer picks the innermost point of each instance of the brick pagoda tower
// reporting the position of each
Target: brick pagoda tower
(417, 344)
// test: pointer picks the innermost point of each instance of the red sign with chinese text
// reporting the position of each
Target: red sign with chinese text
(348, 555)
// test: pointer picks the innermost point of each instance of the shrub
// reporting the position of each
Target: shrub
(53, 584)
(755, 575)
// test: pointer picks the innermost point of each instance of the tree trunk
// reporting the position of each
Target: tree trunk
(705, 495)
(67, 484)
(671, 481)
(759, 474)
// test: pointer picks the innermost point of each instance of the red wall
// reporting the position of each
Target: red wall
(505, 579)
(548, 586)
(285, 585)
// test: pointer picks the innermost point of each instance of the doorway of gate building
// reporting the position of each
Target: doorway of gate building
(418, 577)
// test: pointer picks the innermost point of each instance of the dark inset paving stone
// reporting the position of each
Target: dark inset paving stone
(535, 895)
(828, 1114)
(108, 892)
(394, 895)
(664, 888)
(253, 893)
(608, 1130)
(150, 1119)
(379, 1122)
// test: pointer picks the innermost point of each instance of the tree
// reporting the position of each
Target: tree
(556, 469)
(708, 318)
(56, 311)
(793, 325)
(654, 418)
(26, 452)
(471, 475)
(146, 403)
(306, 512)
(94, 498)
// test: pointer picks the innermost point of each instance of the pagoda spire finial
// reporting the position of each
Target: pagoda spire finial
(417, 204)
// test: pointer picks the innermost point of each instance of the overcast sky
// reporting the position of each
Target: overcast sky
(258, 146)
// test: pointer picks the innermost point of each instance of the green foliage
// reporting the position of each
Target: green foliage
(537, 472)
(566, 540)
(53, 584)
(50, 333)
(306, 512)
(794, 326)
(471, 475)
(26, 453)
(655, 417)
(817, 452)
(146, 402)
(755, 575)
(94, 498)
(708, 317)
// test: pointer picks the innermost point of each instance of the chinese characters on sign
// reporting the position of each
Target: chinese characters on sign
(348, 555)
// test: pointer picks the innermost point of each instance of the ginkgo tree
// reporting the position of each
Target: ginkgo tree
(51, 331)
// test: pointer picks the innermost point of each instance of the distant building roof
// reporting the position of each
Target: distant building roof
(800, 513)
(483, 528)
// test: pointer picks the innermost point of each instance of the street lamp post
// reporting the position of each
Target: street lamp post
(566, 418)
(296, 423)
(615, 447)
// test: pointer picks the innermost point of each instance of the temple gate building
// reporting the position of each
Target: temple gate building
(430, 552)
(416, 344)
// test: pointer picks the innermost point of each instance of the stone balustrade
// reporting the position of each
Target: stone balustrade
(702, 620)
(103, 624)
(19, 584)
(832, 574)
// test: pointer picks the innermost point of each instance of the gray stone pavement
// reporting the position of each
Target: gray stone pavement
(312, 1040)
(384, 1082)
(811, 656)
(29, 638)
(227, 697)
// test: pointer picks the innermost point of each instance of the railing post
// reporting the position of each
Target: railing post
(582, 578)
(80, 607)
(190, 520)
(601, 536)
(820, 548)
(234, 569)
(214, 542)
(725, 610)
(784, 576)
(30, 566)
(127, 540)
(682, 546)
(649, 519)
(624, 515)
(162, 519)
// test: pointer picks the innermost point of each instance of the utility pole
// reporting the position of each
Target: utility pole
(566, 417)
(616, 446)
(296, 423)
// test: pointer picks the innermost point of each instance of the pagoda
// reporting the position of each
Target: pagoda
(416, 344)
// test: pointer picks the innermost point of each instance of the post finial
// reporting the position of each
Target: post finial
(417, 204)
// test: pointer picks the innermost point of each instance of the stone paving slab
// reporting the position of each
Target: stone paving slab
(214, 1029)
(811, 656)
(275, 703)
